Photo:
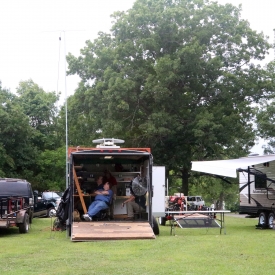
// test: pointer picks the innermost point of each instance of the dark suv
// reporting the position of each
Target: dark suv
(46, 203)
(16, 204)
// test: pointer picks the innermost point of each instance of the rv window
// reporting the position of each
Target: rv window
(260, 181)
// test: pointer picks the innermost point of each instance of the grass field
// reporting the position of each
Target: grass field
(243, 250)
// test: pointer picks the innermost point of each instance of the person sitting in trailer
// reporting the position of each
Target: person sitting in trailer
(102, 201)
(135, 204)
(99, 182)
(108, 177)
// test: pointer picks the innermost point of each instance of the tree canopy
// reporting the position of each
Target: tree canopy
(178, 76)
(30, 147)
(16, 151)
(40, 107)
(266, 115)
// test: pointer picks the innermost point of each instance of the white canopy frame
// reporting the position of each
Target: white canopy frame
(229, 168)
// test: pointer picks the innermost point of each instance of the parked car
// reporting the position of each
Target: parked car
(60, 193)
(45, 204)
(16, 204)
(195, 200)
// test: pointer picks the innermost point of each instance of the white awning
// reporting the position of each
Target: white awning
(227, 168)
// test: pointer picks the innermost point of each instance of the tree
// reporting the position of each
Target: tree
(28, 127)
(266, 115)
(51, 174)
(17, 153)
(217, 191)
(41, 109)
(178, 76)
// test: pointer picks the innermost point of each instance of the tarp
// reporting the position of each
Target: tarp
(228, 168)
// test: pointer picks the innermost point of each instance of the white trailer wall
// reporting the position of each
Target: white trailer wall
(158, 181)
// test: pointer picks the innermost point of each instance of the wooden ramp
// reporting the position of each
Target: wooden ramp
(111, 230)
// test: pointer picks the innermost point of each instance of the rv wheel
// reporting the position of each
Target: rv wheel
(162, 220)
(262, 219)
(270, 220)
(155, 226)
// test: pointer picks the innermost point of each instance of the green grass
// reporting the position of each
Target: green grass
(243, 250)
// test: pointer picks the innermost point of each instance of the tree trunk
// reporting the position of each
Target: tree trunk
(184, 177)
(221, 199)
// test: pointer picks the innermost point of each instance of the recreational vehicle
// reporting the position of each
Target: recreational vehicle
(256, 183)
(257, 192)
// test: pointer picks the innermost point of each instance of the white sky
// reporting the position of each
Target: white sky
(30, 30)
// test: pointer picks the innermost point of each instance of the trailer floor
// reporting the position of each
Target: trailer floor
(111, 230)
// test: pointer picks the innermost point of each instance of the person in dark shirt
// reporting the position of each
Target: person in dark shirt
(99, 182)
(108, 177)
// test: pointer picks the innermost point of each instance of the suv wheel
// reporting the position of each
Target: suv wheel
(51, 212)
(24, 227)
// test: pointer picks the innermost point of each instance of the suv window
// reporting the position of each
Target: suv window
(50, 195)
(191, 198)
(18, 188)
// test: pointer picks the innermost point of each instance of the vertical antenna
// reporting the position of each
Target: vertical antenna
(58, 65)
(66, 114)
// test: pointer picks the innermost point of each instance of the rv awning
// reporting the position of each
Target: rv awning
(228, 168)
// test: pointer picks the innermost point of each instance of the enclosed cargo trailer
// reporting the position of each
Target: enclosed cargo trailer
(126, 165)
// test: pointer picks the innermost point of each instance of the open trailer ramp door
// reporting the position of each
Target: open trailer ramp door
(131, 170)
(94, 231)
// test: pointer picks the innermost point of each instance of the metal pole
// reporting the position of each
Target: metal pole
(248, 179)
(167, 187)
(66, 113)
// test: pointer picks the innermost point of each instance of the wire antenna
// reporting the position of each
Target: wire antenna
(58, 63)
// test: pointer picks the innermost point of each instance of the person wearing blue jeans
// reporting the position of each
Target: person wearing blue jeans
(102, 201)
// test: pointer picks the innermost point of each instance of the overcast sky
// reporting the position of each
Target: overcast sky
(30, 29)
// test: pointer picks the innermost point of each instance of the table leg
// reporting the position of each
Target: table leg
(172, 226)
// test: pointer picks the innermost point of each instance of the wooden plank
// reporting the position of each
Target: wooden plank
(3, 223)
(79, 191)
(88, 231)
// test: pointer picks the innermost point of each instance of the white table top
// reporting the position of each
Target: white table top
(197, 211)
